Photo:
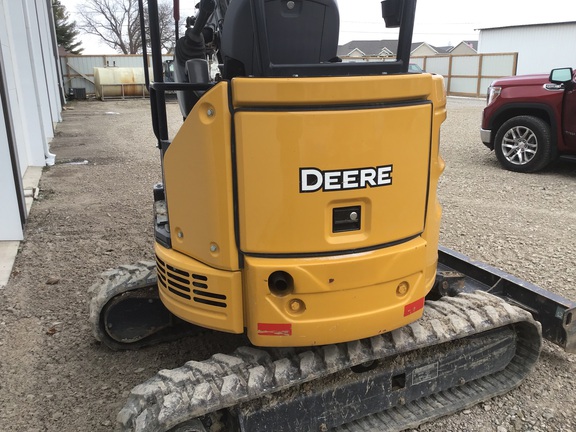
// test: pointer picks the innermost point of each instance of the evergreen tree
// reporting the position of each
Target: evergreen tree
(66, 31)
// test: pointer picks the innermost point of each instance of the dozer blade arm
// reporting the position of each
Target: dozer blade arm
(458, 273)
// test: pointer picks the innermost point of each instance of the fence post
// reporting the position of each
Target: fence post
(449, 84)
(480, 61)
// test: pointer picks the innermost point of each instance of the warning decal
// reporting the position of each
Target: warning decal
(409, 309)
(265, 329)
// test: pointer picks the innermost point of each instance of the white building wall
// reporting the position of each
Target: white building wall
(48, 76)
(30, 72)
(23, 97)
(540, 47)
(10, 223)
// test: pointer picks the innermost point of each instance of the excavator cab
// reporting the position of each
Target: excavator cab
(298, 206)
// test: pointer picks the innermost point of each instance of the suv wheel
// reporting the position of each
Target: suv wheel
(523, 144)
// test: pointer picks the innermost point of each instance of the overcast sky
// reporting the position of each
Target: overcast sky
(438, 22)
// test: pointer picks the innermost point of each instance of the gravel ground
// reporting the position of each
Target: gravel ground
(94, 212)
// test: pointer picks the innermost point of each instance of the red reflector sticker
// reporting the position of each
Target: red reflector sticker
(409, 309)
(274, 329)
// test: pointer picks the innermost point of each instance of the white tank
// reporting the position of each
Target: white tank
(115, 82)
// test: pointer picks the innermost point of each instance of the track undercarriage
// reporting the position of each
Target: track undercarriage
(468, 347)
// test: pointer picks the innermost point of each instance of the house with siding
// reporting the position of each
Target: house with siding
(358, 49)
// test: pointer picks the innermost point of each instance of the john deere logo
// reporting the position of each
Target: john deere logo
(314, 179)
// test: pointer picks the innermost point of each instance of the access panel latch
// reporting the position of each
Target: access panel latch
(346, 219)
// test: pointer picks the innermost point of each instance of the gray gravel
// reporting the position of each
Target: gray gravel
(93, 216)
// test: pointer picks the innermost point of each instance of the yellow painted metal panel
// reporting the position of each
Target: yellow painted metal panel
(200, 294)
(336, 299)
(331, 91)
(198, 183)
(342, 297)
(342, 148)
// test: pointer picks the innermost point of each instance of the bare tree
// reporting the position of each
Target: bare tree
(166, 22)
(117, 23)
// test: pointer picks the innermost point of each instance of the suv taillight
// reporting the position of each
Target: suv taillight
(493, 93)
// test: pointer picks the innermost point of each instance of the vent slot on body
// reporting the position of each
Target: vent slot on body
(180, 283)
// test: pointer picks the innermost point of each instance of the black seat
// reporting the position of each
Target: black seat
(296, 32)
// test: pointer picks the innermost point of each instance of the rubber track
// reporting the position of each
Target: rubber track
(198, 388)
(112, 283)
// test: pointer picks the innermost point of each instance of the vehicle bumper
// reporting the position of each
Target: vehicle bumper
(331, 299)
(485, 135)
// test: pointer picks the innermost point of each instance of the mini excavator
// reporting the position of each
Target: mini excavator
(298, 207)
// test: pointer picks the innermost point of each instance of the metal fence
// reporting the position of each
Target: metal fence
(466, 74)
(78, 70)
(470, 75)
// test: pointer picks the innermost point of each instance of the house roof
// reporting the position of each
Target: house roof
(372, 48)
(367, 47)
(444, 49)
(471, 44)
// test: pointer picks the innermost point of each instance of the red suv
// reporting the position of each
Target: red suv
(530, 120)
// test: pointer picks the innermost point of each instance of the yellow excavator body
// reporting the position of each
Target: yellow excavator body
(304, 210)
